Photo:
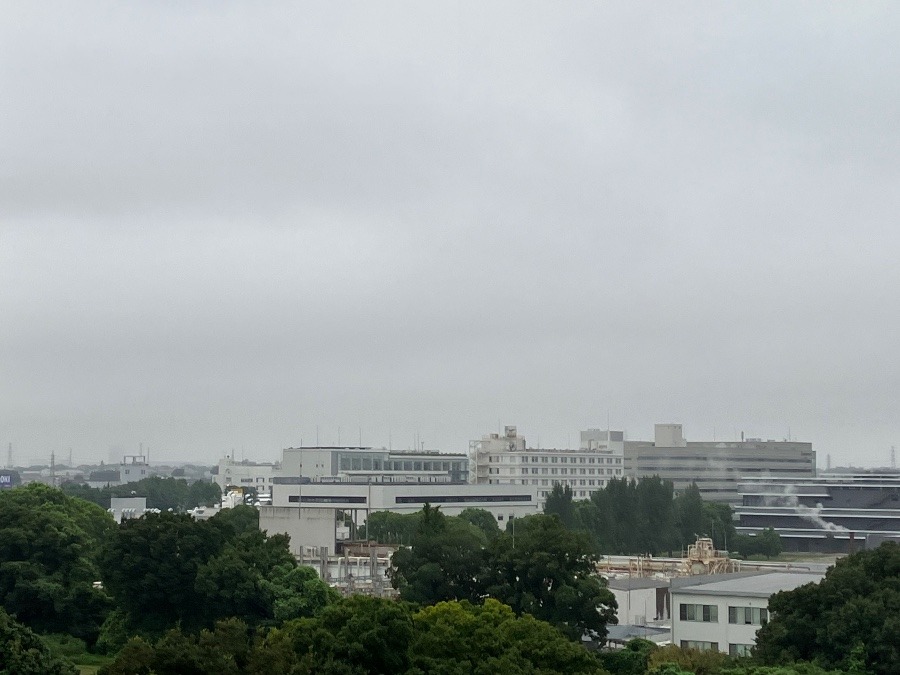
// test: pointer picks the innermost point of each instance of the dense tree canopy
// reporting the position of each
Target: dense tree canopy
(446, 561)
(629, 517)
(458, 638)
(48, 545)
(23, 653)
(363, 636)
(165, 494)
(387, 527)
(851, 620)
(358, 635)
(537, 567)
(549, 572)
(483, 520)
(150, 566)
(168, 568)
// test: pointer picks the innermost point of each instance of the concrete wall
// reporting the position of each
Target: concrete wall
(307, 528)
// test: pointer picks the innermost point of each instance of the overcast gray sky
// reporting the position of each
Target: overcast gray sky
(225, 224)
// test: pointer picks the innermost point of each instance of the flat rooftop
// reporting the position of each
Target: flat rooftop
(753, 586)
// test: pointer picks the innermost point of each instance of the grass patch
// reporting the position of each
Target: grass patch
(74, 650)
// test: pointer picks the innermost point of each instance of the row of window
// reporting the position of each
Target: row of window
(733, 648)
(377, 464)
(591, 482)
(575, 493)
(504, 459)
(565, 472)
(751, 616)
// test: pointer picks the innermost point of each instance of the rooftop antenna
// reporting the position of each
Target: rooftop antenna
(893, 457)
(317, 435)
(339, 437)
(70, 458)
(53, 468)
(9, 460)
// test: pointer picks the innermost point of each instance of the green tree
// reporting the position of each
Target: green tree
(460, 638)
(548, 572)
(150, 566)
(203, 493)
(699, 662)
(166, 494)
(719, 525)
(559, 503)
(48, 543)
(483, 520)
(769, 543)
(387, 527)
(358, 636)
(850, 620)
(657, 527)
(222, 651)
(230, 585)
(240, 520)
(296, 592)
(796, 668)
(632, 660)
(445, 561)
(690, 514)
(23, 653)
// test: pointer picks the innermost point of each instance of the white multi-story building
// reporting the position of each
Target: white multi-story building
(134, 468)
(506, 459)
(723, 612)
(244, 474)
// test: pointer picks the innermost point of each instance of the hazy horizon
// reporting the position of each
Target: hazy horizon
(224, 225)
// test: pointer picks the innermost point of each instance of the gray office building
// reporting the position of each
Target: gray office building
(715, 466)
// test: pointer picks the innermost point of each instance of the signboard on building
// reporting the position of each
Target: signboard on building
(9, 479)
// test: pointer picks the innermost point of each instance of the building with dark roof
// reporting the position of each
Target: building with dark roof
(831, 513)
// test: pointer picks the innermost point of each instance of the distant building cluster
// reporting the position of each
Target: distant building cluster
(769, 483)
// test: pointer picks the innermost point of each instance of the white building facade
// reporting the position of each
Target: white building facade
(724, 612)
(244, 474)
(307, 511)
(507, 460)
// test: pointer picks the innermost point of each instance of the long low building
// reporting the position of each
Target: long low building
(832, 513)
(345, 462)
(307, 510)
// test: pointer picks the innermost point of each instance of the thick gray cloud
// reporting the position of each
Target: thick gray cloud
(224, 225)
